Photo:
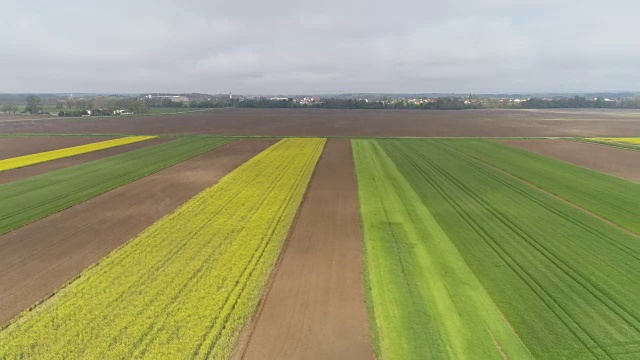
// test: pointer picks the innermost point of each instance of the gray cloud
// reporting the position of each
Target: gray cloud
(320, 47)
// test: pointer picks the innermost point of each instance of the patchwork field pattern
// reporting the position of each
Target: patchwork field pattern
(188, 284)
(24, 201)
(22, 161)
(563, 279)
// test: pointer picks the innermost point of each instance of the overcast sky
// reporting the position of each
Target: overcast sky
(329, 46)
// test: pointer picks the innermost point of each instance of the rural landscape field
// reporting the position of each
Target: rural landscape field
(321, 234)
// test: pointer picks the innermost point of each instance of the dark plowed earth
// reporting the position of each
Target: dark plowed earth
(606, 159)
(315, 307)
(45, 167)
(39, 258)
(19, 146)
(325, 122)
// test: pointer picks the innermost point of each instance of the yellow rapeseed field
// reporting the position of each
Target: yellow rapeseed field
(187, 285)
(632, 140)
(32, 159)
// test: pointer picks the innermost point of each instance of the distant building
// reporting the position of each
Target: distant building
(176, 98)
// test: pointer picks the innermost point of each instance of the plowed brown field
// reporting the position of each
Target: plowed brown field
(39, 258)
(609, 160)
(41, 168)
(315, 307)
(325, 122)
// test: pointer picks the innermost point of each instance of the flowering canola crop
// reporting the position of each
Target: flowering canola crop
(186, 286)
(32, 159)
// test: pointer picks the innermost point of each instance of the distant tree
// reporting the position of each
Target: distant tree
(5, 108)
(70, 103)
(59, 106)
(34, 104)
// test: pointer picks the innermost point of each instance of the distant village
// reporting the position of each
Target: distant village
(74, 105)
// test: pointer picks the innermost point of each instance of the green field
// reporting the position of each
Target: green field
(447, 234)
(25, 201)
(609, 197)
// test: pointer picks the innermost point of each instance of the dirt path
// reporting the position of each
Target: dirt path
(606, 159)
(315, 308)
(19, 146)
(39, 258)
(45, 167)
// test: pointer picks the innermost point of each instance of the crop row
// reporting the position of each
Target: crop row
(563, 279)
(25, 201)
(426, 301)
(611, 198)
(32, 159)
(187, 285)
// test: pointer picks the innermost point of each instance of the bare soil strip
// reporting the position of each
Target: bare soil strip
(41, 257)
(45, 167)
(606, 159)
(19, 146)
(326, 122)
(315, 308)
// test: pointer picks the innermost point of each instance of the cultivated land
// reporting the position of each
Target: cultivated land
(609, 160)
(28, 200)
(38, 259)
(222, 247)
(324, 122)
(19, 146)
(49, 166)
(37, 158)
(564, 279)
(474, 248)
(315, 306)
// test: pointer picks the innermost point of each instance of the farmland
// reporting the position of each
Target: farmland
(27, 160)
(214, 234)
(30, 199)
(39, 258)
(199, 247)
(562, 278)
(620, 140)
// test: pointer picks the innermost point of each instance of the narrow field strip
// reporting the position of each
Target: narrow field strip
(28, 200)
(566, 281)
(38, 259)
(620, 140)
(188, 284)
(315, 307)
(26, 160)
(611, 198)
(53, 165)
(425, 301)
(14, 146)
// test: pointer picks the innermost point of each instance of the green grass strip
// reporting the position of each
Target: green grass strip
(186, 286)
(611, 198)
(566, 281)
(28, 200)
(425, 302)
